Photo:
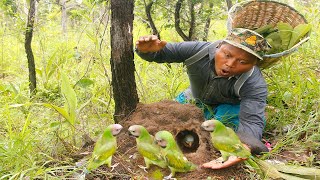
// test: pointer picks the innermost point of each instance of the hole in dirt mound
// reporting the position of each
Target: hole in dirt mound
(180, 120)
(188, 141)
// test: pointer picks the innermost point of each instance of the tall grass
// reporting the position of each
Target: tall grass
(294, 91)
(31, 139)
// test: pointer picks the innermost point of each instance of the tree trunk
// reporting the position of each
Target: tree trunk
(122, 65)
(177, 21)
(28, 49)
(64, 16)
(229, 4)
(151, 23)
(207, 25)
(192, 20)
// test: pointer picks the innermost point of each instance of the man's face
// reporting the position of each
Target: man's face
(230, 61)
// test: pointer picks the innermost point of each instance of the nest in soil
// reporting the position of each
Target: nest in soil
(179, 120)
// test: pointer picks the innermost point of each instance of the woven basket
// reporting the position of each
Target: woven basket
(255, 14)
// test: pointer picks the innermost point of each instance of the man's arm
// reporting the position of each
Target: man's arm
(150, 48)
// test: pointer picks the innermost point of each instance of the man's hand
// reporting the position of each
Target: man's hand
(232, 160)
(149, 43)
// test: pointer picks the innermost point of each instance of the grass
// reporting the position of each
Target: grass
(35, 141)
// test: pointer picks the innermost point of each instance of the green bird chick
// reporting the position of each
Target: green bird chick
(188, 140)
(104, 148)
(175, 159)
(147, 147)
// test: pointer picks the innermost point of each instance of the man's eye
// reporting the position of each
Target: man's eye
(242, 62)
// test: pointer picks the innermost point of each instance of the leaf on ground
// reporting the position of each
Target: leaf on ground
(299, 170)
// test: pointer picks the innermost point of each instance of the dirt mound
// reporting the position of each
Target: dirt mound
(179, 120)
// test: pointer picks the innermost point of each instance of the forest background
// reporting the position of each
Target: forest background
(74, 97)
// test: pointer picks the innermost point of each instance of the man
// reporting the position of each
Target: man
(224, 81)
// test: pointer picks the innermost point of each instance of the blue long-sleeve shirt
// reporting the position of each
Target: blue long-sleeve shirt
(212, 90)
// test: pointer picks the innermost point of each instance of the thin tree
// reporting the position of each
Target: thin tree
(177, 21)
(229, 4)
(150, 20)
(64, 16)
(192, 28)
(28, 49)
(191, 21)
(207, 25)
(122, 64)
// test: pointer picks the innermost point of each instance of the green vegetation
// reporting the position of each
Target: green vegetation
(37, 135)
(283, 36)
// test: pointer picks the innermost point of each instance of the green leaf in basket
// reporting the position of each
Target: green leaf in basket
(263, 29)
(299, 32)
(285, 31)
(275, 41)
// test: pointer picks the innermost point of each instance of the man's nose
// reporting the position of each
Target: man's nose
(231, 62)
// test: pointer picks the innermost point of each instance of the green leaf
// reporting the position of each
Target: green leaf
(263, 29)
(55, 124)
(13, 89)
(287, 96)
(275, 41)
(26, 124)
(2, 87)
(70, 96)
(38, 71)
(84, 83)
(16, 105)
(285, 31)
(83, 105)
(60, 110)
(51, 67)
(299, 32)
(299, 170)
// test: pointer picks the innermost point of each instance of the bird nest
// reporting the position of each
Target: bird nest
(178, 119)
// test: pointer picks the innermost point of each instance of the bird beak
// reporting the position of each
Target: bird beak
(189, 144)
(163, 145)
(131, 135)
(204, 126)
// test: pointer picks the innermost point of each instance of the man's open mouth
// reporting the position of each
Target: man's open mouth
(225, 72)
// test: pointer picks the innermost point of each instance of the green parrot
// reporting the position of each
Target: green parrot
(105, 147)
(225, 140)
(228, 143)
(175, 159)
(147, 147)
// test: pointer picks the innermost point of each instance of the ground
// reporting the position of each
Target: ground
(178, 119)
